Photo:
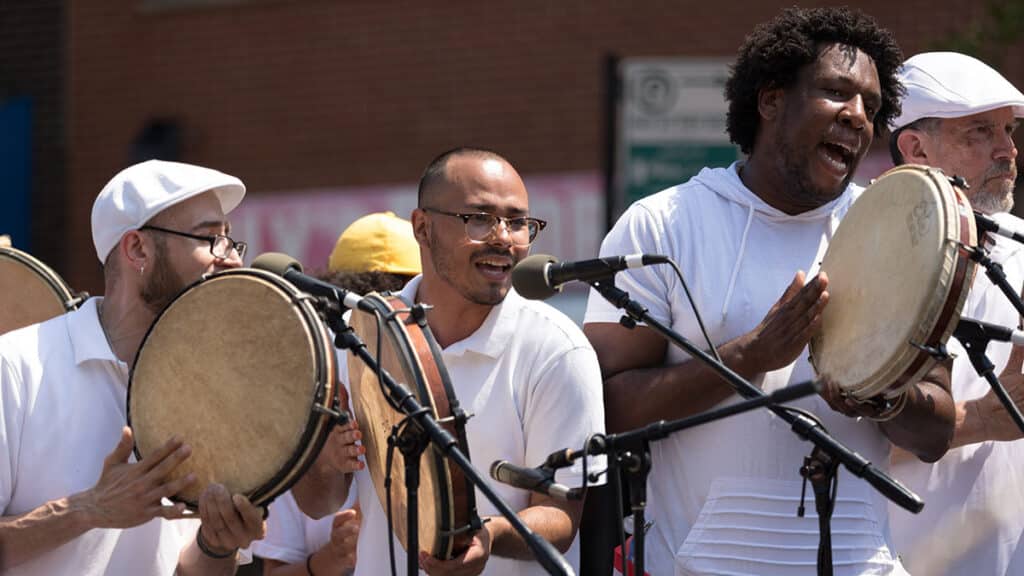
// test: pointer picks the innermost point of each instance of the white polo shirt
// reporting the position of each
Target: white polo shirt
(291, 535)
(62, 394)
(531, 380)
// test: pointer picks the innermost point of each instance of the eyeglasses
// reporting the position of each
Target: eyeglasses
(220, 245)
(480, 225)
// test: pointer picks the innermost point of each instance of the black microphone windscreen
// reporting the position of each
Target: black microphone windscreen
(529, 277)
(276, 262)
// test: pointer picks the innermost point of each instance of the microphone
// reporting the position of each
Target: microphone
(986, 224)
(969, 329)
(540, 480)
(541, 276)
(291, 270)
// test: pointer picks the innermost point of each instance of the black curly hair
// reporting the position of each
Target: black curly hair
(773, 54)
(364, 282)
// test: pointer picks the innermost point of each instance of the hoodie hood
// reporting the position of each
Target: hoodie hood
(726, 183)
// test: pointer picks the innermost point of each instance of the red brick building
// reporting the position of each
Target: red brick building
(322, 94)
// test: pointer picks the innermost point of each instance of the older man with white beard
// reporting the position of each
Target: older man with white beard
(959, 115)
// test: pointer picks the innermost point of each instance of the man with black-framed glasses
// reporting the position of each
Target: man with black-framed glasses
(523, 369)
(221, 246)
(68, 504)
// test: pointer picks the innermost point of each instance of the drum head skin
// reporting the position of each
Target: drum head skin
(32, 291)
(232, 367)
(892, 267)
(376, 417)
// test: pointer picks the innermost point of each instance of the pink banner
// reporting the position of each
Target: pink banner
(306, 224)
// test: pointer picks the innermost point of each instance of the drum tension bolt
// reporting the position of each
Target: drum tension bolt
(938, 352)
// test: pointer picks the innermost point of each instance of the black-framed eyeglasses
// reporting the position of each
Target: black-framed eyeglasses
(220, 245)
(522, 230)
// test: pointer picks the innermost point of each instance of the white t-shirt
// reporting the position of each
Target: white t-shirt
(291, 535)
(62, 394)
(723, 496)
(531, 381)
(973, 519)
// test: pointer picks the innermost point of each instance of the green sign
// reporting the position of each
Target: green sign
(652, 168)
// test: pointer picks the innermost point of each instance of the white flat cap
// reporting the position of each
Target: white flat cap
(142, 191)
(952, 85)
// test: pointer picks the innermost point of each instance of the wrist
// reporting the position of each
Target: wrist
(212, 551)
(971, 424)
(79, 509)
(741, 356)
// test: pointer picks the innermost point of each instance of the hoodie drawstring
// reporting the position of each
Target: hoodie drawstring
(739, 259)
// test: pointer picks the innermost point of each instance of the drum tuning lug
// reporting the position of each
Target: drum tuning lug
(459, 417)
(959, 182)
(938, 352)
(336, 417)
(77, 301)
(419, 312)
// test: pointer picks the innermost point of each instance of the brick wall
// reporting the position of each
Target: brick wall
(32, 65)
(302, 94)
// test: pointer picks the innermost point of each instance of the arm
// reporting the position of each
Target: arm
(553, 520)
(985, 418)
(323, 489)
(925, 426)
(126, 495)
(336, 558)
(631, 360)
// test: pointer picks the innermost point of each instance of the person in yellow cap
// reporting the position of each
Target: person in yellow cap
(376, 253)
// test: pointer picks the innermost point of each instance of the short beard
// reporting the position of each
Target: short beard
(801, 189)
(162, 285)
(442, 261)
(988, 201)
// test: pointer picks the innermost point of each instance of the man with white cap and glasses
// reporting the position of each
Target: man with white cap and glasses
(72, 498)
(959, 115)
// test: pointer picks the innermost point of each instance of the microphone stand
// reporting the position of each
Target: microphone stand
(633, 450)
(802, 425)
(427, 431)
(975, 342)
(995, 272)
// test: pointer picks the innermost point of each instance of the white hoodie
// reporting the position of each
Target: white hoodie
(724, 496)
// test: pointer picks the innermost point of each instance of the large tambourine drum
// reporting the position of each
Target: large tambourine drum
(898, 277)
(31, 291)
(242, 368)
(408, 352)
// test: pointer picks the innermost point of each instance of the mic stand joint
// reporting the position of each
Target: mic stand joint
(822, 470)
(975, 342)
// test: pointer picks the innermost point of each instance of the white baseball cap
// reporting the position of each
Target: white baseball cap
(143, 190)
(952, 85)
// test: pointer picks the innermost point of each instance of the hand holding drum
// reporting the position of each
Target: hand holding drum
(898, 279)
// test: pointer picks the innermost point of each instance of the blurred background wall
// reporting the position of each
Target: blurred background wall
(330, 109)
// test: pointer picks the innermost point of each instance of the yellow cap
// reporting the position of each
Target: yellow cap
(380, 242)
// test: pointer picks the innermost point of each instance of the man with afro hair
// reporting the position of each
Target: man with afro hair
(807, 93)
